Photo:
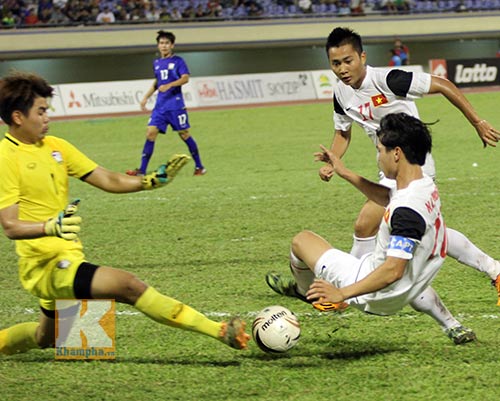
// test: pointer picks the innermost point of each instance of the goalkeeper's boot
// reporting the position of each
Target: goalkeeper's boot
(200, 171)
(461, 335)
(134, 172)
(496, 284)
(233, 333)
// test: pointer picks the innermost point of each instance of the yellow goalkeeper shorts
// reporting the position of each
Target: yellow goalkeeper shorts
(50, 277)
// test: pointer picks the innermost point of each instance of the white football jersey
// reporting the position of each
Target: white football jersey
(382, 92)
(425, 256)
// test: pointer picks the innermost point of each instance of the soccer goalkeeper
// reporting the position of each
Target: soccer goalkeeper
(34, 212)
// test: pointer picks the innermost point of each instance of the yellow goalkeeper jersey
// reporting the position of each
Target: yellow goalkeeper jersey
(36, 178)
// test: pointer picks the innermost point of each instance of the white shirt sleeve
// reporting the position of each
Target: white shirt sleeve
(420, 85)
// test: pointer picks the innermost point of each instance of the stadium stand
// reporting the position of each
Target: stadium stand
(51, 13)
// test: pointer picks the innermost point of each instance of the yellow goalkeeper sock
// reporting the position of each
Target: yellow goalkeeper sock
(169, 311)
(18, 338)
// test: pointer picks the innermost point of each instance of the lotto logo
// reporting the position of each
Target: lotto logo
(85, 329)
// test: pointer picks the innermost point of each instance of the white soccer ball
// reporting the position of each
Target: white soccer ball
(276, 329)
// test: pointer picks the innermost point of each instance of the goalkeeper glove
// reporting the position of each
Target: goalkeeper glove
(165, 173)
(65, 225)
(72, 208)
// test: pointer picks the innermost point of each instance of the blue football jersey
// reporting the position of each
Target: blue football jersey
(168, 70)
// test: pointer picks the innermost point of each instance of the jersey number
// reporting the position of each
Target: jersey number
(182, 119)
(366, 111)
(438, 226)
(164, 74)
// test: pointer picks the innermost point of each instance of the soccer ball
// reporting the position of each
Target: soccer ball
(276, 329)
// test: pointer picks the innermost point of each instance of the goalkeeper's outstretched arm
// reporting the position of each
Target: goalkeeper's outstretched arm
(114, 182)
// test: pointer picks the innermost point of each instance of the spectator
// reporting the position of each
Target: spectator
(164, 15)
(45, 9)
(9, 20)
(58, 17)
(84, 17)
(357, 7)
(402, 51)
(151, 13)
(176, 14)
(137, 14)
(214, 9)
(105, 16)
(122, 15)
(344, 9)
(388, 6)
(45, 15)
(305, 6)
(395, 60)
(189, 13)
(72, 10)
(254, 9)
(200, 12)
(31, 18)
(402, 6)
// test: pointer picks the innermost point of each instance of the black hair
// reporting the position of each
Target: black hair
(18, 92)
(165, 34)
(408, 133)
(344, 36)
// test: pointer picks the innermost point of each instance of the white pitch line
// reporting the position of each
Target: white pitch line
(216, 314)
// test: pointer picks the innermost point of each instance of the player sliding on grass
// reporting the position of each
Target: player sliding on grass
(34, 171)
(364, 95)
(411, 240)
(171, 73)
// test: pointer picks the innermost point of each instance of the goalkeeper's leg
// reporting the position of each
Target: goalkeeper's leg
(126, 288)
(26, 336)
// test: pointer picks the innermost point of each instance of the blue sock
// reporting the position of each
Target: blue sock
(193, 149)
(147, 152)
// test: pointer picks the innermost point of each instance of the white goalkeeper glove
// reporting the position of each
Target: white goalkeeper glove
(165, 173)
(65, 225)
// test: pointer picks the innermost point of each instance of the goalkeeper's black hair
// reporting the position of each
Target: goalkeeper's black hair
(408, 133)
(18, 91)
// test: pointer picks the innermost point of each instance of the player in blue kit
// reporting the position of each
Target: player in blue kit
(171, 72)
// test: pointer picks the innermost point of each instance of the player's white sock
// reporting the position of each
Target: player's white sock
(463, 250)
(429, 303)
(303, 275)
(362, 246)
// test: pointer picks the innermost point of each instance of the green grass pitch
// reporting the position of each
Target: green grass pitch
(209, 241)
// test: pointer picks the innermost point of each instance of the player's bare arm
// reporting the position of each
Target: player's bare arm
(114, 182)
(488, 134)
(387, 273)
(340, 143)
(373, 191)
(19, 229)
(147, 95)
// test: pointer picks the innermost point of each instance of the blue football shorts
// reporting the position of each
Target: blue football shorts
(177, 119)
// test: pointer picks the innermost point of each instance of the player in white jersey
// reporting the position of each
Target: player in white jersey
(364, 95)
(411, 240)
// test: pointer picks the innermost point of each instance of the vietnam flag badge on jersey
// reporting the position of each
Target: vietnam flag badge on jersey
(379, 100)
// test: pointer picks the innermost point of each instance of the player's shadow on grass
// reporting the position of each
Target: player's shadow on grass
(345, 350)
(146, 360)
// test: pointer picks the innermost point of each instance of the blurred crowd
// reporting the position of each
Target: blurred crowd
(27, 13)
